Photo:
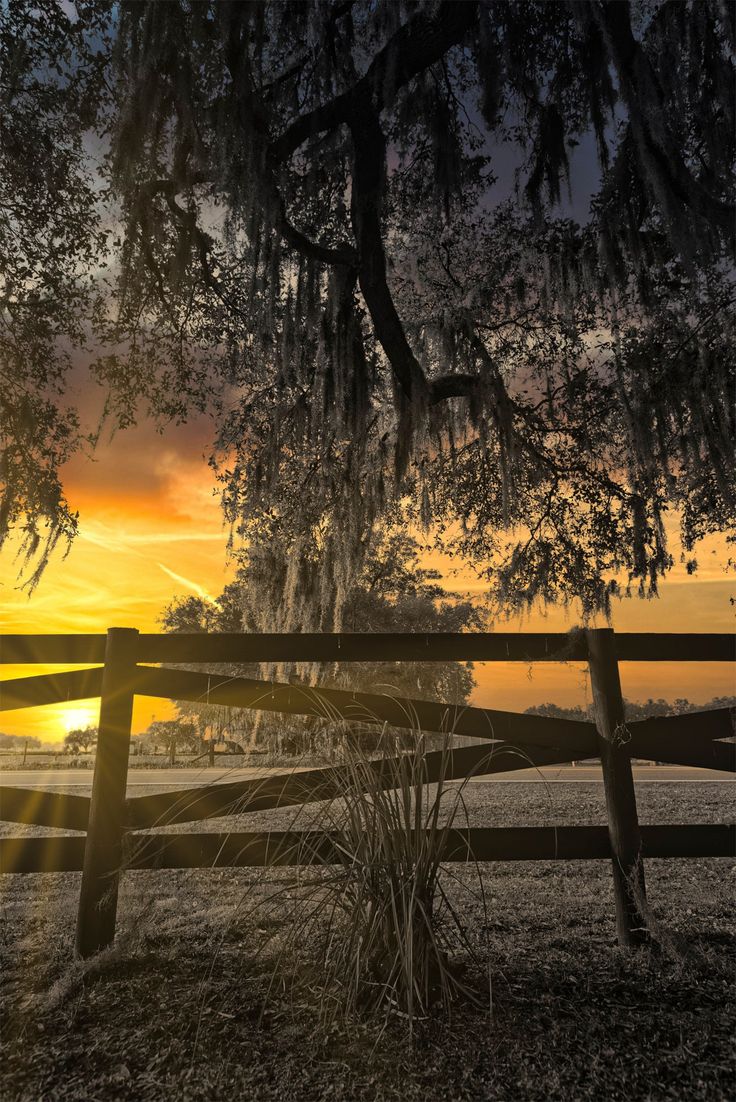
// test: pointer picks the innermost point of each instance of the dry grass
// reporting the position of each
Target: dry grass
(180, 1009)
(388, 938)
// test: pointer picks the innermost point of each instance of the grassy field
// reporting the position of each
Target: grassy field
(58, 760)
(198, 1000)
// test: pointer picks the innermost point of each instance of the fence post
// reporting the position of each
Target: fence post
(618, 783)
(98, 897)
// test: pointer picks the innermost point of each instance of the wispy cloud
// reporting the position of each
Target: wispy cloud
(194, 586)
(115, 540)
(179, 537)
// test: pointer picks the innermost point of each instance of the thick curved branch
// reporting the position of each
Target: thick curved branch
(461, 385)
(344, 255)
(369, 161)
(418, 44)
(253, 116)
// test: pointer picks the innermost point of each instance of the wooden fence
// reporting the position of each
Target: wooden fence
(118, 829)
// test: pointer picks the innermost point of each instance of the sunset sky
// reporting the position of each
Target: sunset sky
(151, 530)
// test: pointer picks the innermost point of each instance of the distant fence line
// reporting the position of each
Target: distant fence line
(510, 741)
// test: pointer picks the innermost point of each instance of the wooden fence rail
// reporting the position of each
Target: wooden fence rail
(497, 646)
(666, 734)
(507, 741)
(310, 847)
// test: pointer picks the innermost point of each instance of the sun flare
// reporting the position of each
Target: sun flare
(78, 717)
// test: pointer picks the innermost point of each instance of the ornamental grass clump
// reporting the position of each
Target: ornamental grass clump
(391, 939)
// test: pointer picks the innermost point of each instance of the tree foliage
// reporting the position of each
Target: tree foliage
(393, 593)
(19, 742)
(50, 240)
(171, 735)
(635, 709)
(81, 739)
(316, 226)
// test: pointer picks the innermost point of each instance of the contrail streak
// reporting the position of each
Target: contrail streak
(194, 586)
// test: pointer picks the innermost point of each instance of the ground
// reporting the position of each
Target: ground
(196, 1000)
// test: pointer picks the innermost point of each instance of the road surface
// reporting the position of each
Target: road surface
(189, 777)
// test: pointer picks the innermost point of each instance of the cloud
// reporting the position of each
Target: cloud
(194, 586)
(123, 540)
(142, 471)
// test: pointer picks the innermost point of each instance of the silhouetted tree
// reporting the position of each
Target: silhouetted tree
(634, 709)
(82, 738)
(171, 735)
(314, 220)
(393, 593)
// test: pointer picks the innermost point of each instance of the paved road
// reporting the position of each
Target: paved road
(186, 778)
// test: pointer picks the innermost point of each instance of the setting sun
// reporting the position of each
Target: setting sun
(78, 717)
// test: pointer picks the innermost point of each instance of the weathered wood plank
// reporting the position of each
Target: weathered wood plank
(474, 843)
(275, 848)
(691, 727)
(687, 739)
(440, 647)
(36, 807)
(566, 843)
(61, 650)
(365, 647)
(60, 853)
(312, 785)
(660, 646)
(370, 708)
(49, 688)
(708, 755)
(388, 647)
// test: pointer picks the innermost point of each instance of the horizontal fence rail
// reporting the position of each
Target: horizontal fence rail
(316, 785)
(50, 688)
(376, 647)
(373, 709)
(35, 807)
(313, 847)
(688, 739)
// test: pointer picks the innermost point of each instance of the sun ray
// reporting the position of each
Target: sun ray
(76, 716)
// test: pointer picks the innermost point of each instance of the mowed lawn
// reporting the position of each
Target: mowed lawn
(199, 1000)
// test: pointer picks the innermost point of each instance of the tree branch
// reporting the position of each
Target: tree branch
(418, 44)
(369, 160)
(461, 385)
(344, 255)
(642, 93)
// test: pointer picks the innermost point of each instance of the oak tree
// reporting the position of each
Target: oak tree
(347, 222)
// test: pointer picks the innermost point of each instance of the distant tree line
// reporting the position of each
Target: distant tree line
(634, 709)
(19, 742)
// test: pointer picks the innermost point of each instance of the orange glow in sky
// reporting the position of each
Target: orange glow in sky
(151, 530)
